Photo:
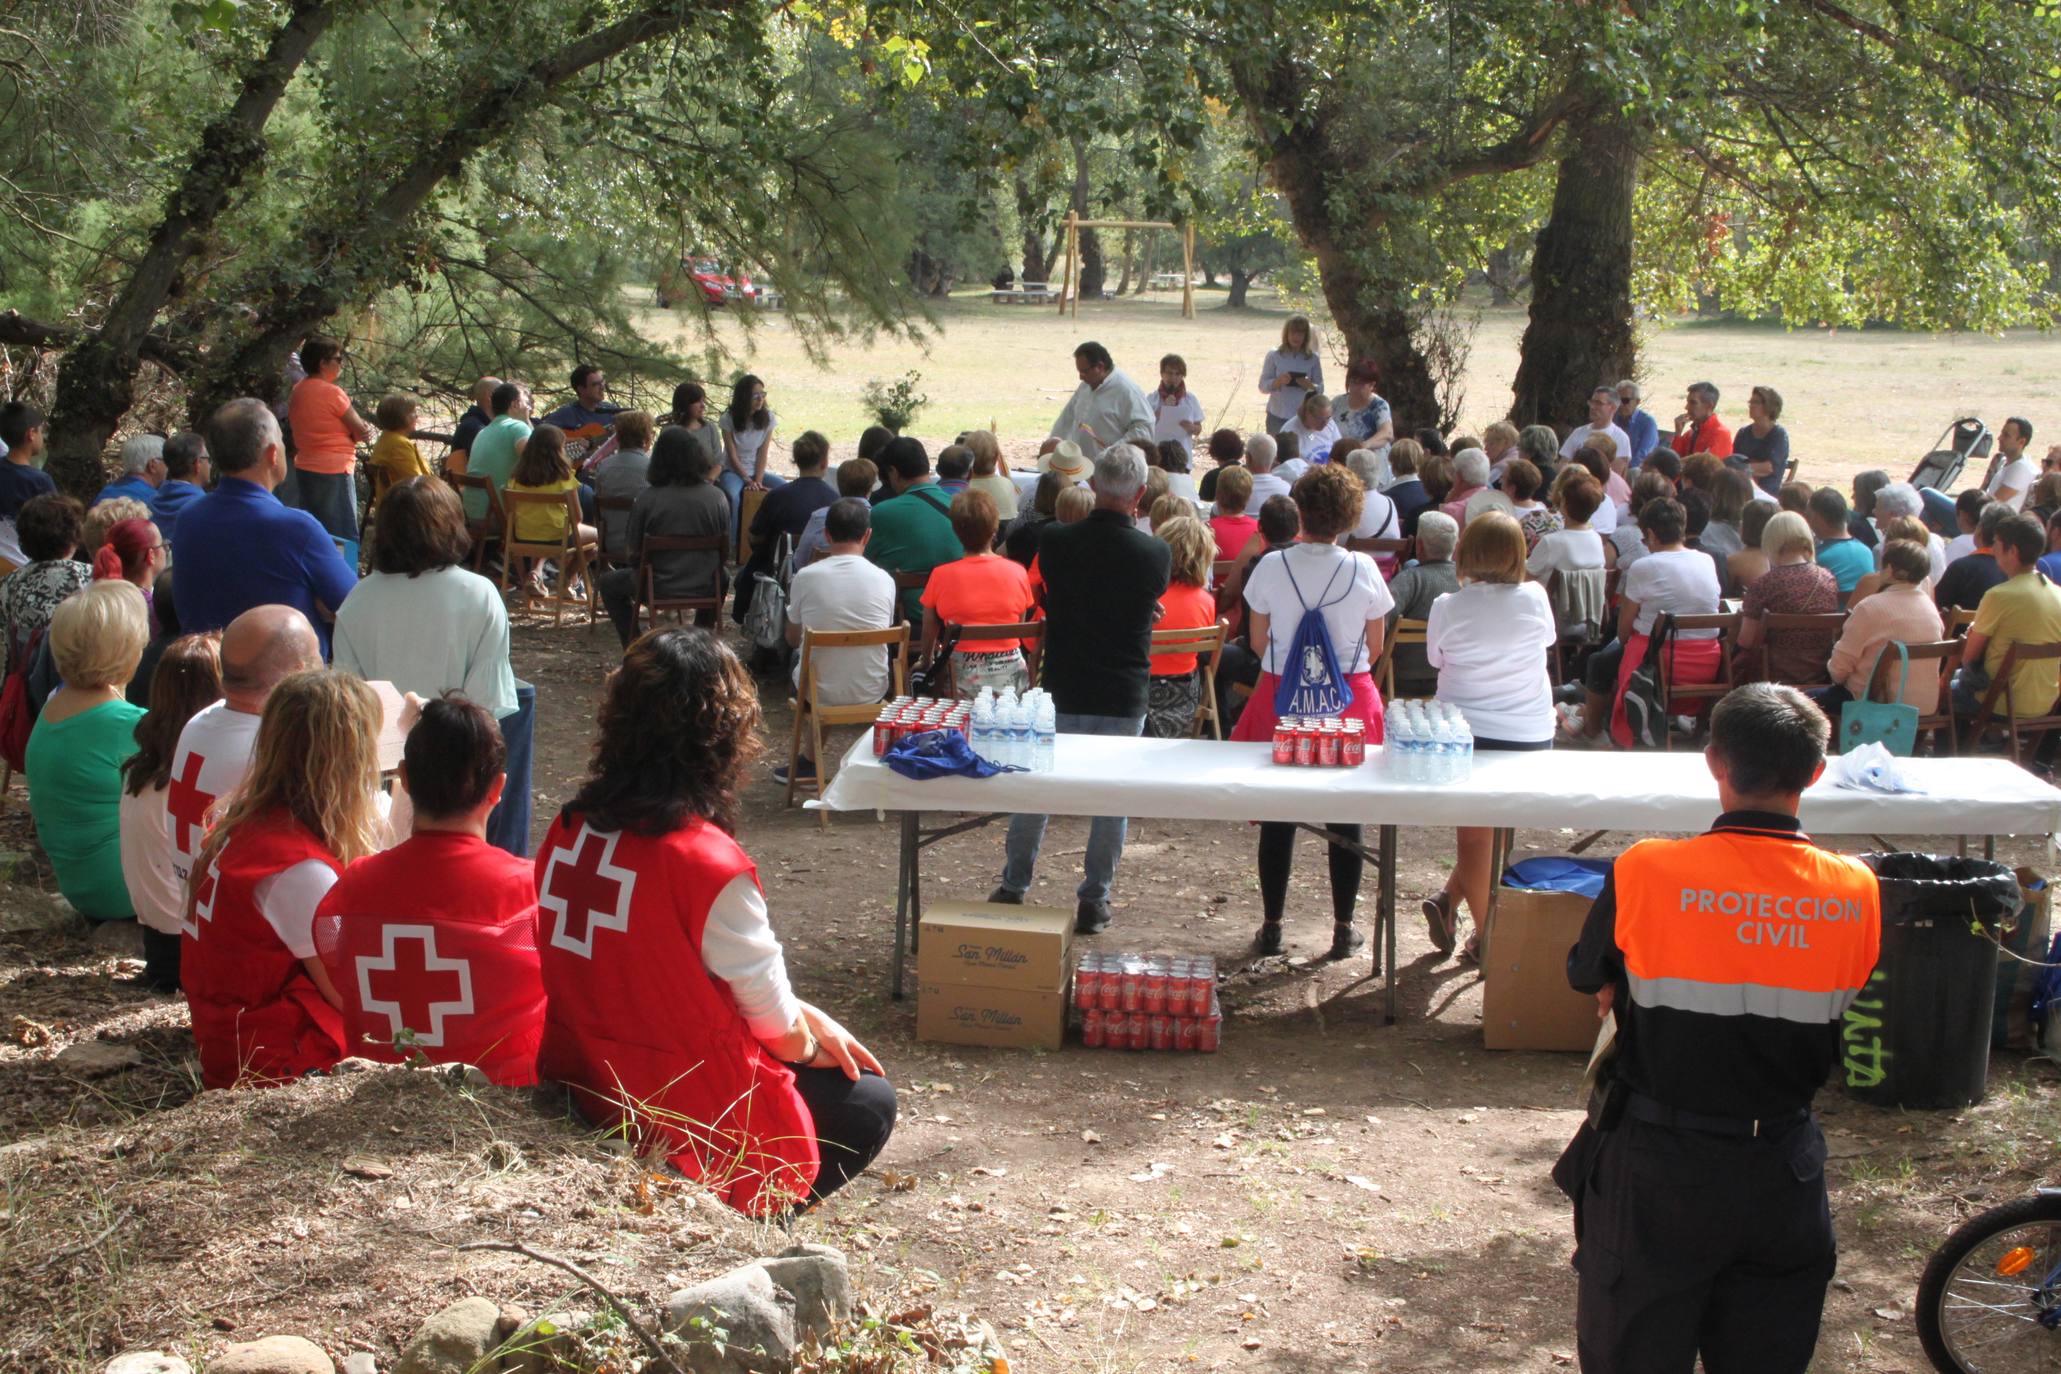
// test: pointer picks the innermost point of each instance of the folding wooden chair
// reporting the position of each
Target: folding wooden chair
(1805, 622)
(604, 506)
(1220, 573)
(812, 712)
(1401, 550)
(486, 529)
(909, 582)
(1400, 631)
(1957, 622)
(748, 502)
(568, 553)
(1946, 654)
(1205, 642)
(1699, 694)
(2016, 725)
(1030, 632)
(646, 595)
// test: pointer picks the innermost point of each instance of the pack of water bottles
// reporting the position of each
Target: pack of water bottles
(1428, 741)
(1015, 732)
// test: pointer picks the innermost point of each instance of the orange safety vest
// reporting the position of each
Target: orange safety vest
(1739, 922)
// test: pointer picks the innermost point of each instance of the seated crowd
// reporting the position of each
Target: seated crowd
(329, 871)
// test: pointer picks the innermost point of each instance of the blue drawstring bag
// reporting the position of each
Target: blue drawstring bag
(1556, 873)
(939, 754)
(1312, 683)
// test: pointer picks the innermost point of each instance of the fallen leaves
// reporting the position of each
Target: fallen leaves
(29, 1034)
(365, 1166)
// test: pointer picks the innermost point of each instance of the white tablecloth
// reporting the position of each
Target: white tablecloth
(1204, 780)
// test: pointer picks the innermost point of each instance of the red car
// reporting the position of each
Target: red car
(717, 286)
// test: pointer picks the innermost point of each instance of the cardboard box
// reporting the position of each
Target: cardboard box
(974, 944)
(1002, 1018)
(1527, 1004)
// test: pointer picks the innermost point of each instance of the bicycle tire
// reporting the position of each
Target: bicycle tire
(1932, 1288)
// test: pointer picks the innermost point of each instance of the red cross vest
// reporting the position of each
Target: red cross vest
(647, 1039)
(433, 945)
(258, 1018)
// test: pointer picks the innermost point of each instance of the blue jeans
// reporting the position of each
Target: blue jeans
(1105, 833)
(508, 824)
(733, 490)
(1971, 684)
(331, 497)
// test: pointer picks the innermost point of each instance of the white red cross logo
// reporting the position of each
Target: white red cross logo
(203, 907)
(412, 975)
(585, 889)
(188, 805)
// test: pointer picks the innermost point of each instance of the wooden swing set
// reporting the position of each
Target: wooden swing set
(1070, 291)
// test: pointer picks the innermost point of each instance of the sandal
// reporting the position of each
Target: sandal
(1440, 922)
(1470, 953)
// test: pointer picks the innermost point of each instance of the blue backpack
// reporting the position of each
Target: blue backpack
(1311, 682)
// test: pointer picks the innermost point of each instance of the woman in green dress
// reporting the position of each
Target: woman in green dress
(86, 731)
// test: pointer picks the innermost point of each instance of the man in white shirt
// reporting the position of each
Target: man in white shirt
(840, 591)
(1260, 451)
(1107, 407)
(1602, 420)
(2011, 473)
(260, 649)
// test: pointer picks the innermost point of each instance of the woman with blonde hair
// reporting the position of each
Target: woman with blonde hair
(1186, 604)
(1291, 372)
(1489, 642)
(263, 1008)
(86, 730)
(990, 473)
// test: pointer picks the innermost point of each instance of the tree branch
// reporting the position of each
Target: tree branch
(23, 332)
(622, 1309)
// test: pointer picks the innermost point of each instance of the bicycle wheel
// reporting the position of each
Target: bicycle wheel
(1990, 1294)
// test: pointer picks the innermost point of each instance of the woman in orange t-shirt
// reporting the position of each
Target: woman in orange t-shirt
(982, 588)
(327, 430)
(1187, 604)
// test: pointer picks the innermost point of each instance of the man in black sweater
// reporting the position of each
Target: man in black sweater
(786, 510)
(1103, 580)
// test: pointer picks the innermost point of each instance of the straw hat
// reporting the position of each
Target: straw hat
(1067, 460)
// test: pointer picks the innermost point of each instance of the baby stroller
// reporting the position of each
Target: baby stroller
(1961, 440)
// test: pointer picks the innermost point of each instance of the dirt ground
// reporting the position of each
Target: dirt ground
(1325, 1192)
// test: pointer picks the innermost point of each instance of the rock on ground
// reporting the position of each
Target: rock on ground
(459, 1337)
(148, 1362)
(765, 1310)
(273, 1355)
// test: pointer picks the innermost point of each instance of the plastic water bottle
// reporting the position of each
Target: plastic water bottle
(1020, 736)
(983, 737)
(1466, 753)
(1441, 752)
(1046, 736)
(1402, 747)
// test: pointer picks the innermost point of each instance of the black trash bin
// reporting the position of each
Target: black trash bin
(1918, 1035)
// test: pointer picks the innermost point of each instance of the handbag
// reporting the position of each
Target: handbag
(765, 624)
(930, 679)
(1645, 713)
(1890, 724)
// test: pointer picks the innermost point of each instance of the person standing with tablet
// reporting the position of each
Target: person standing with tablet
(1291, 372)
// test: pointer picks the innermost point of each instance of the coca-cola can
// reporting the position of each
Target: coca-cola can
(1328, 741)
(883, 735)
(1284, 740)
(1187, 1032)
(1138, 1030)
(1087, 981)
(1353, 749)
(1306, 744)
(1202, 985)
(1152, 996)
(1131, 984)
(1209, 1034)
(1160, 1030)
(1094, 1033)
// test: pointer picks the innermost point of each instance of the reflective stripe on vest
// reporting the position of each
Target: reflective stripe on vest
(1742, 923)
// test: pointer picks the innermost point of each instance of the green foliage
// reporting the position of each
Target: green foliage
(895, 404)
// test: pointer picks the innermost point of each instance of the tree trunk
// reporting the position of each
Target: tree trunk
(1241, 280)
(1209, 272)
(96, 383)
(367, 247)
(1093, 270)
(1123, 278)
(1580, 334)
(1029, 211)
(1151, 267)
(1505, 277)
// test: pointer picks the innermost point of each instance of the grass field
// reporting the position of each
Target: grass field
(1855, 399)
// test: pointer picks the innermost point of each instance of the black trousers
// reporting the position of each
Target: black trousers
(1277, 856)
(160, 961)
(1690, 1244)
(853, 1121)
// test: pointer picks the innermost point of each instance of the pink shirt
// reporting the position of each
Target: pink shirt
(1900, 612)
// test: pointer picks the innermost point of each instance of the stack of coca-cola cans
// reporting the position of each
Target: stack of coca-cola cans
(1148, 1002)
(905, 716)
(1320, 742)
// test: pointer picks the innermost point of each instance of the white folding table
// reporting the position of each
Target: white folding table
(1205, 780)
